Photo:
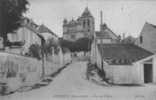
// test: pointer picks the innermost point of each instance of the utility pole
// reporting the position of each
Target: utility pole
(102, 67)
(42, 53)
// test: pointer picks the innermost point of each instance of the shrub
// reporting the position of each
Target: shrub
(35, 51)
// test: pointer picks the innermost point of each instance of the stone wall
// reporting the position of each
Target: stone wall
(25, 71)
(123, 74)
(13, 66)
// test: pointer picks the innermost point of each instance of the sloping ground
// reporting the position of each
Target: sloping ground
(71, 84)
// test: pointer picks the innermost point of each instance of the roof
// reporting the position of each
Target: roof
(148, 26)
(45, 36)
(86, 13)
(122, 54)
(30, 27)
(43, 29)
(154, 26)
(104, 35)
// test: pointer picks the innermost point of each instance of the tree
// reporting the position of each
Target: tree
(67, 44)
(82, 44)
(11, 16)
(35, 51)
(128, 40)
(49, 45)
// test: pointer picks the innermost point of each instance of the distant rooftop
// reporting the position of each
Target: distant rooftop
(103, 35)
(43, 29)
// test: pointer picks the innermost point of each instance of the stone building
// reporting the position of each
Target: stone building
(82, 27)
(126, 63)
(105, 35)
(27, 35)
(147, 38)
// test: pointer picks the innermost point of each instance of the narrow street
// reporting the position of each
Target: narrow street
(71, 84)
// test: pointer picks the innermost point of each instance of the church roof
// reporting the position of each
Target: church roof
(86, 13)
(122, 54)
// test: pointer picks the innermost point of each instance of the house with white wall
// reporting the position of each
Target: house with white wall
(125, 63)
(26, 34)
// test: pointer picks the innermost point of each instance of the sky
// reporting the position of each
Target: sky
(121, 16)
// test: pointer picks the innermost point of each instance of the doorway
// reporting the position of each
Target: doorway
(148, 73)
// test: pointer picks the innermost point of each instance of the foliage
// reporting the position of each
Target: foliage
(49, 45)
(11, 16)
(82, 44)
(35, 51)
(128, 40)
(67, 44)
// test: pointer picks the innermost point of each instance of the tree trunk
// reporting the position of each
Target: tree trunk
(1, 23)
(5, 39)
(3, 30)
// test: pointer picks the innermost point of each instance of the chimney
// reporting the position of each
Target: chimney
(102, 26)
(101, 17)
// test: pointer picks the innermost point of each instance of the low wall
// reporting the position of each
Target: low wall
(60, 59)
(24, 71)
(123, 74)
(18, 71)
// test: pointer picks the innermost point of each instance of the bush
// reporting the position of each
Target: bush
(82, 44)
(35, 51)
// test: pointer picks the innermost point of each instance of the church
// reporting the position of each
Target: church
(82, 27)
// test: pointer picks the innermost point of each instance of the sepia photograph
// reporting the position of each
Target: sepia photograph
(77, 50)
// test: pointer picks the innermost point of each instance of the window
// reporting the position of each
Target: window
(88, 22)
(73, 36)
(84, 24)
(141, 39)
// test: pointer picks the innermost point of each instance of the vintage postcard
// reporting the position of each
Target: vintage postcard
(77, 50)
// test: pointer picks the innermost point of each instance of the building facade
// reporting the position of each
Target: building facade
(126, 63)
(147, 38)
(26, 34)
(105, 35)
(82, 27)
